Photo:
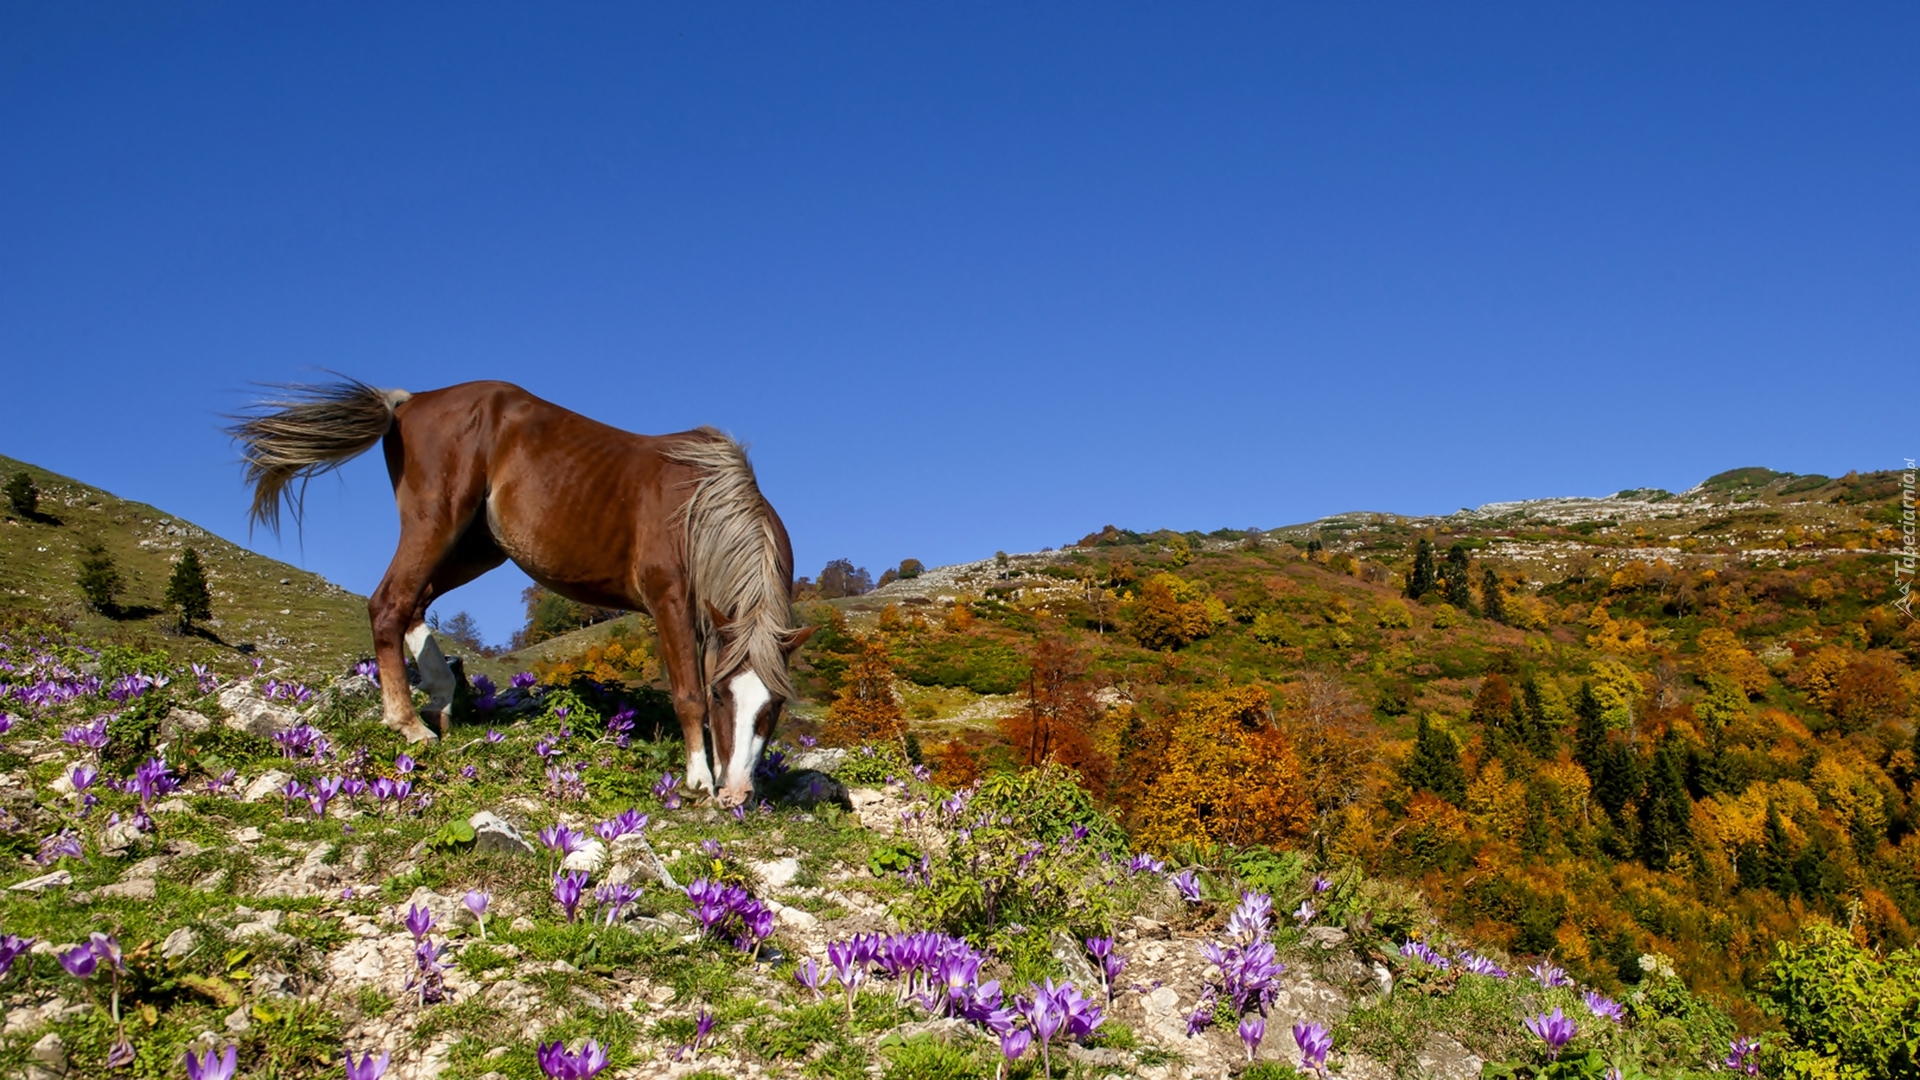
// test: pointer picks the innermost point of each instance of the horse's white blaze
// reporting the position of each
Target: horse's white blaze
(749, 697)
(436, 676)
(698, 778)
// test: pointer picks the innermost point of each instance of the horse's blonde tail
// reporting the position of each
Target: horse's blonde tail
(308, 431)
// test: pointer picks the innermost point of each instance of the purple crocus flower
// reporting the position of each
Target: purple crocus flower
(1321, 883)
(1743, 1056)
(1187, 882)
(1602, 1006)
(1475, 964)
(807, 973)
(1304, 913)
(1252, 1030)
(1145, 864)
(703, 1027)
(1314, 1041)
(369, 1068)
(613, 899)
(1554, 1029)
(79, 961)
(583, 1064)
(1014, 1042)
(561, 839)
(10, 949)
(212, 1067)
(419, 921)
(1548, 975)
(62, 844)
(494, 736)
(107, 948)
(567, 889)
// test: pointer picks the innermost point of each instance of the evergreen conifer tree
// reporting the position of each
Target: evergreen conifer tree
(1590, 738)
(1776, 857)
(1459, 589)
(1435, 765)
(99, 579)
(1493, 603)
(187, 590)
(23, 495)
(1420, 581)
(1666, 812)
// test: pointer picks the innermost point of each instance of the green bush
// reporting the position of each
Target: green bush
(981, 665)
(873, 764)
(187, 590)
(1846, 1012)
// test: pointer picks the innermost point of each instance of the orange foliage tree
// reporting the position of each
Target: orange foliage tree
(865, 710)
(1228, 776)
(1057, 722)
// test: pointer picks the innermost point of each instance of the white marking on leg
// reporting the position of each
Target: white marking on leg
(436, 677)
(749, 697)
(698, 777)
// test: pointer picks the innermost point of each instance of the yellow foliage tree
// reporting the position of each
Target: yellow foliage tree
(1173, 611)
(1228, 777)
(1722, 654)
(865, 710)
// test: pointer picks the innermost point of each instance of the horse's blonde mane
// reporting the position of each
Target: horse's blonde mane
(734, 562)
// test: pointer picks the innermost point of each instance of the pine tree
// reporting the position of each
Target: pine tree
(1777, 856)
(23, 495)
(1420, 582)
(1666, 813)
(1493, 603)
(99, 579)
(1459, 590)
(1590, 738)
(1435, 765)
(187, 590)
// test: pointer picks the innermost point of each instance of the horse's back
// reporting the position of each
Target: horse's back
(582, 506)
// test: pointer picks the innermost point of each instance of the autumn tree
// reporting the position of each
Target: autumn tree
(1435, 764)
(460, 629)
(1420, 582)
(865, 710)
(1866, 692)
(1172, 611)
(1459, 585)
(187, 591)
(549, 615)
(841, 578)
(1057, 720)
(1227, 776)
(1328, 726)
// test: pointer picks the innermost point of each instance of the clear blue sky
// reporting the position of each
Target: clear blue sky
(975, 276)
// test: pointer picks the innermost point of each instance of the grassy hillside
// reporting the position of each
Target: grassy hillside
(260, 605)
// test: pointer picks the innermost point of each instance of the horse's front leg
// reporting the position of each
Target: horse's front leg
(680, 656)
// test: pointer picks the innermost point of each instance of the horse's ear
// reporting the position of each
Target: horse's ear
(796, 639)
(719, 617)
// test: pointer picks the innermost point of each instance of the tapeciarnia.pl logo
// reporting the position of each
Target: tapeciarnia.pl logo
(1903, 563)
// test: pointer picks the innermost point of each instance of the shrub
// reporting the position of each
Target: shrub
(23, 495)
(1846, 1012)
(911, 568)
(1393, 615)
(981, 665)
(187, 590)
(99, 579)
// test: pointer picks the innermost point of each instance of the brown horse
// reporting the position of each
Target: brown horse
(483, 472)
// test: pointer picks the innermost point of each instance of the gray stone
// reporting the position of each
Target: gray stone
(1443, 1058)
(119, 838)
(1327, 937)
(180, 944)
(180, 722)
(1074, 959)
(808, 788)
(491, 832)
(48, 1058)
(776, 873)
(266, 785)
(590, 856)
(819, 759)
(139, 888)
(44, 882)
(238, 1021)
(248, 711)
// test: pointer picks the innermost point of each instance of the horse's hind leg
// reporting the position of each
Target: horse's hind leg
(431, 560)
(473, 555)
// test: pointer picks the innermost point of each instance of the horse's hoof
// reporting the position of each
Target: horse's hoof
(419, 733)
